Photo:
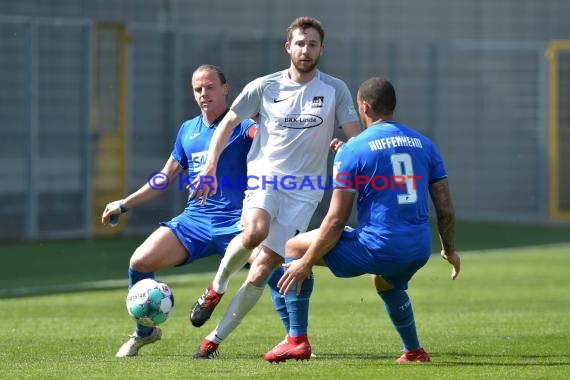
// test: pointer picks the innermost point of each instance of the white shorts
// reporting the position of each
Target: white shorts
(289, 215)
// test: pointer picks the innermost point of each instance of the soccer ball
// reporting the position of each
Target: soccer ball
(149, 302)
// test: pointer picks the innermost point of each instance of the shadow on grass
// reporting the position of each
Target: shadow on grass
(450, 359)
(457, 359)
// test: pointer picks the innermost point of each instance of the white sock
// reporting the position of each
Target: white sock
(234, 259)
(244, 300)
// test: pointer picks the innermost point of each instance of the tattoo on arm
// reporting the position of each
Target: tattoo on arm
(441, 198)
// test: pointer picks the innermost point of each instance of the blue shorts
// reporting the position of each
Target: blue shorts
(351, 258)
(203, 236)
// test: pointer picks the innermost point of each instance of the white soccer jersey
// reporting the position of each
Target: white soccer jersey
(296, 125)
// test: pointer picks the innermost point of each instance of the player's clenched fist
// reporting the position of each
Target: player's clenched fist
(112, 212)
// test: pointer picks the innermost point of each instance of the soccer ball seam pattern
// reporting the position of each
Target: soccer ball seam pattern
(150, 302)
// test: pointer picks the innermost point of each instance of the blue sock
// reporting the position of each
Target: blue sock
(298, 306)
(399, 309)
(277, 298)
(134, 277)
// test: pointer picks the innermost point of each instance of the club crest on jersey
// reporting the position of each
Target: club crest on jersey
(318, 101)
(301, 121)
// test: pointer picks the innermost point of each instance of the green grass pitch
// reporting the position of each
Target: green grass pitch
(506, 316)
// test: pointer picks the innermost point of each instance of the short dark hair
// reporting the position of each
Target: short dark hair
(214, 68)
(379, 93)
(305, 22)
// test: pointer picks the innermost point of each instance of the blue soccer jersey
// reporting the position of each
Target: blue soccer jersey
(391, 167)
(191, 151)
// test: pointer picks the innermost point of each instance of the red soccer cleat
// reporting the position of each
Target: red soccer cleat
(204, 307)
(297, 348)
(207, 350)
(416, 356)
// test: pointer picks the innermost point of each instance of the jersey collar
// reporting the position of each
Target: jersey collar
(215, 123)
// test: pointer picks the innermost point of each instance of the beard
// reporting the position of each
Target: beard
(304, 67)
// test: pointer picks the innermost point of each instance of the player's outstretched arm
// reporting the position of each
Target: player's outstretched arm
(441, 198)
(152, 188)
(206, 183)
(323, 240)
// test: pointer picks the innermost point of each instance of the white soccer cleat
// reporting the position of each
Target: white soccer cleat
(133, 345)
